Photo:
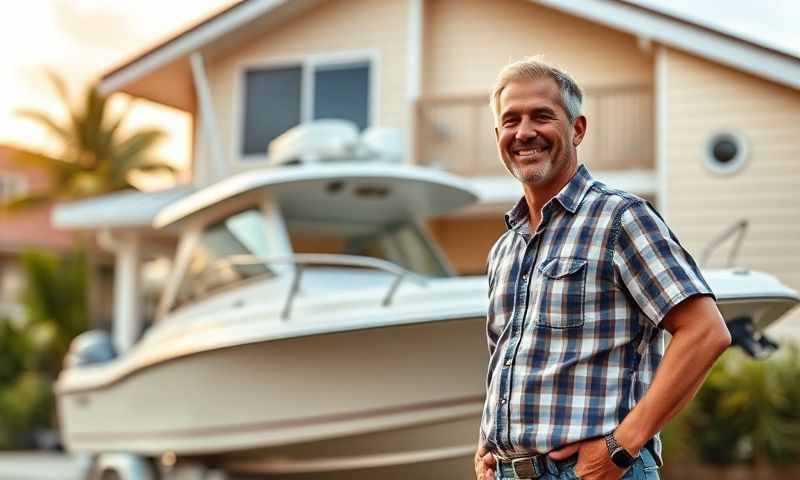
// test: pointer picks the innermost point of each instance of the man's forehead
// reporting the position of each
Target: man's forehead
(544, 88)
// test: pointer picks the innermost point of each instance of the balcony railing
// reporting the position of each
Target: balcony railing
(457, 132)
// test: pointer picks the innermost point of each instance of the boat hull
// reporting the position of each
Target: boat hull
(400, 395)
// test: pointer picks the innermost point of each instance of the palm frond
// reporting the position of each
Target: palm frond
(61, 90)
(155, 166)
(63, 133)
(94, 130)
(130, 152)
(19, 205)
(27, 159)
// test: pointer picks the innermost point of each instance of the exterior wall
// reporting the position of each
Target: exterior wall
(468, 41)
(466, 240)
(344, 26)
(704, 98)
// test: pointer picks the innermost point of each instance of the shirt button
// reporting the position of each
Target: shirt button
(508, 363)
(525, 277)
(502, 401)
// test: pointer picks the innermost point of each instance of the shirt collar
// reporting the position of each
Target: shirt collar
(570, 197)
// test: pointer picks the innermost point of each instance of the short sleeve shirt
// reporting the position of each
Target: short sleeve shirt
(574, 314)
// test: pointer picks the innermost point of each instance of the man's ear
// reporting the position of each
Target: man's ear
(579, 128)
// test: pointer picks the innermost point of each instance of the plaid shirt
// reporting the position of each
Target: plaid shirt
(573, 316)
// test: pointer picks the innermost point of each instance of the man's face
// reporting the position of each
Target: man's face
(535, 138)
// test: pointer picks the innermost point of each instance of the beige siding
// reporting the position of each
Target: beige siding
(704, 98)
(468, 41)
(343, 26)
(466, 240)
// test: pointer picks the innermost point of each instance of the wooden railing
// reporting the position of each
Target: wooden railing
(457, 132)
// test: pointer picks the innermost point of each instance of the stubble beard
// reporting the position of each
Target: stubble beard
(534, 174)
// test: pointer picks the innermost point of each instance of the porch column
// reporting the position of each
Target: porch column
(127, 318)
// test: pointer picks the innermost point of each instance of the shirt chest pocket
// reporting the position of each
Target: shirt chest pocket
(561, 292)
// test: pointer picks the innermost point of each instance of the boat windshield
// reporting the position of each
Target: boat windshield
(402, 243)
(228, 252)
(216, 258)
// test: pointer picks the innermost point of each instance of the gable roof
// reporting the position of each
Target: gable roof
(250, 17)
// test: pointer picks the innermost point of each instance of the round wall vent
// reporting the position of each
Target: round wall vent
(726, 153)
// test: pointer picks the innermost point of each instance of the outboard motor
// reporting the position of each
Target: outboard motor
(92, 347)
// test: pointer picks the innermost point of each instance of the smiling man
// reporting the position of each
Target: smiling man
(582, 287)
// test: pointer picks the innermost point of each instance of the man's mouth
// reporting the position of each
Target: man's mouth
(531, 150)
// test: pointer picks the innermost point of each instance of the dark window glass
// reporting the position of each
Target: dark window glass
(725, 150)
(342, 92)
(272, 106)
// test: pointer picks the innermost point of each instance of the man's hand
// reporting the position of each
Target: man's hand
(484, 464)
(594, 463)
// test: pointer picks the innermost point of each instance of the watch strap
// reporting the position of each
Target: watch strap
(619, 455)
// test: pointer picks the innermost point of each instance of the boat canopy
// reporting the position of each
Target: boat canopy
(127, 209)
(378, 192)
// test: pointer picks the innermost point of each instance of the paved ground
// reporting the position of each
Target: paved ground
(39, 466)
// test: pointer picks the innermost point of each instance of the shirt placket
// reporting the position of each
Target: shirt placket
(519, 315)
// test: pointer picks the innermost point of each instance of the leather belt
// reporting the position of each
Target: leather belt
(526, 468)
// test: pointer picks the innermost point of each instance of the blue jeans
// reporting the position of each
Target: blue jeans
(644, 468)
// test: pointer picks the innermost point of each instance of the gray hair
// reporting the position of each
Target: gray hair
(533, 68)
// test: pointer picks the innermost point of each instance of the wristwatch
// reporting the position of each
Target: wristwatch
(617, 452)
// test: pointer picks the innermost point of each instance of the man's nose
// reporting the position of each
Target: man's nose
(526, 130)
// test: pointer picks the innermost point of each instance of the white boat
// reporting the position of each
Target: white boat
(311, 327)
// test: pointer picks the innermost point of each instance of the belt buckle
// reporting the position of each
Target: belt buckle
(526, 467)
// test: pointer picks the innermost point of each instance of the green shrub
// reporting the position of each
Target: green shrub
(31, 350)
(748, 411)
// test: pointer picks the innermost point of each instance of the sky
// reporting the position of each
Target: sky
(81, 39)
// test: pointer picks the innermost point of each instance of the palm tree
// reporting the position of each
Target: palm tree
(96, 156)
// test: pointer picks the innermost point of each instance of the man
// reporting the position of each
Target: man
(582, 287)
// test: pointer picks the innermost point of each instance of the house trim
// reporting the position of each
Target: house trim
(678, 33)
(661, 124)
(308, 64)
(507, 189)
(620, 15)
(414, 59)
(187, 42)
(208, 116)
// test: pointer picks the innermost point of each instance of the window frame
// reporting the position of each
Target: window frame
(308, 65)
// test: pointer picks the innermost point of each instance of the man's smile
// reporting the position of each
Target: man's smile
(529, 151)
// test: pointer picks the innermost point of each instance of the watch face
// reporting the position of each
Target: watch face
(622, 458)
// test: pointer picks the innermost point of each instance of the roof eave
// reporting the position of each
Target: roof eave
(185, 43)
(672, 32)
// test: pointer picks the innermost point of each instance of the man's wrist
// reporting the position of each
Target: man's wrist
(628, 439)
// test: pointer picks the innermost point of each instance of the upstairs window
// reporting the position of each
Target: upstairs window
(279, 98)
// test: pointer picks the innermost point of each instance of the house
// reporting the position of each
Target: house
(22, 230)
(702, 123)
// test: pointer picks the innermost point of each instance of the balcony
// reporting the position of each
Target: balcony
(456, 133)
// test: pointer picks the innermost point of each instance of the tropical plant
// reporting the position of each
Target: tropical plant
(31, 349)
(96, 156)
(748, 411)
(55, 303)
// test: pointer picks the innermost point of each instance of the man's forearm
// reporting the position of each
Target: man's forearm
(698, 339)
